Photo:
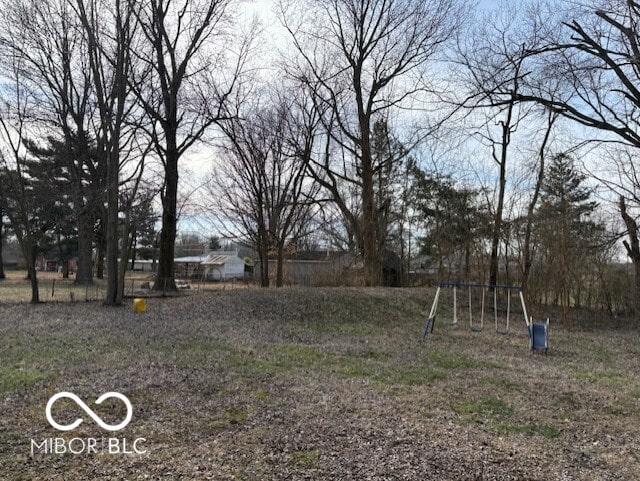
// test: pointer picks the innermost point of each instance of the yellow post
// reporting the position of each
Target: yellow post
(139, 305)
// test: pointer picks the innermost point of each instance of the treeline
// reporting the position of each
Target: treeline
(118, 91)
(490, 145)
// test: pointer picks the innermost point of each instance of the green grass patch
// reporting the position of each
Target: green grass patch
(603, 354)
(544, 430)
(190, 353)
(282, 358)
(378, 367)
(502, 383)
(261, 395)
(451, 361)
(349, 367)
(418, 377)
(605, 378)
(13, 379)
(227, 417)
(484, 406)
(305, 459)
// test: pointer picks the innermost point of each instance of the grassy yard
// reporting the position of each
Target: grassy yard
(253, 384)
(53, 288)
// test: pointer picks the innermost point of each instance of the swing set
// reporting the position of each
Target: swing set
(538, 333)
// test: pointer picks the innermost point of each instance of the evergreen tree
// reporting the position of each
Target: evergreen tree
(568, 235)
(51, 191)
(69, 190)
(455, 222)
(143, 233)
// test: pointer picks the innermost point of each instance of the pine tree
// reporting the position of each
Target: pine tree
(69, 189)
(568, 235)
(455, 221)
(51, 191)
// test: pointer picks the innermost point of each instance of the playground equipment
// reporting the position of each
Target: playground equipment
(538, 333)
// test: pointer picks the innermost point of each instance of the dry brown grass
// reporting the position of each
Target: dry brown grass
(53, 288)
(317, 384)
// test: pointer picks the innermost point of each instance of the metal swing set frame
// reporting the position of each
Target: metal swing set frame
(475, 325)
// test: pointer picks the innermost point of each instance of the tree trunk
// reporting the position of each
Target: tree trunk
(280, 266)
(100, 260)
(29, 252)
(263, 255)
(565, 296)
(101, 246)
(636, 268)
(84, 274)
(127, 238)
(114, 293)
(497, 228)
(165, 278)
(633, 250)
(527, 256)
(370, 246)
(2, 232)
(35, 291)
(370, 232)
(497, 222)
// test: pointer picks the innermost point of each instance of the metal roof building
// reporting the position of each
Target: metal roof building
(222, 266)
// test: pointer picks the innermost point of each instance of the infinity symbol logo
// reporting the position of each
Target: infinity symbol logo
(88, 410)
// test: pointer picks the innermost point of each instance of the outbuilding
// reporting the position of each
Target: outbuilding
(222, 266)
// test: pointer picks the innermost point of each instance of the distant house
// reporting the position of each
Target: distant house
(12, 257)
(213, 266)
(222, 266)
(312, 268)
(144, 265)
(52, 263)
(188, 266)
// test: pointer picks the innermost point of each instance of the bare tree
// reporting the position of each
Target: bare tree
(265, 191)
(14, 181)
(76, 58)
(362, 59)
(527, 247)
(3, 236)
(183, 87)
(596, 56)
(500, 154)
(54, 67)
(494, 55)
(110, 30)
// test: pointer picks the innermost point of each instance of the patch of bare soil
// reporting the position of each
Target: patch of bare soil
(313, 384)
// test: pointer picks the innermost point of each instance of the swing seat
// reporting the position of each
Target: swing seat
(503, 332)
(539, 336)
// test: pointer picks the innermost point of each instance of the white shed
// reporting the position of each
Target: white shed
(222, 266)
